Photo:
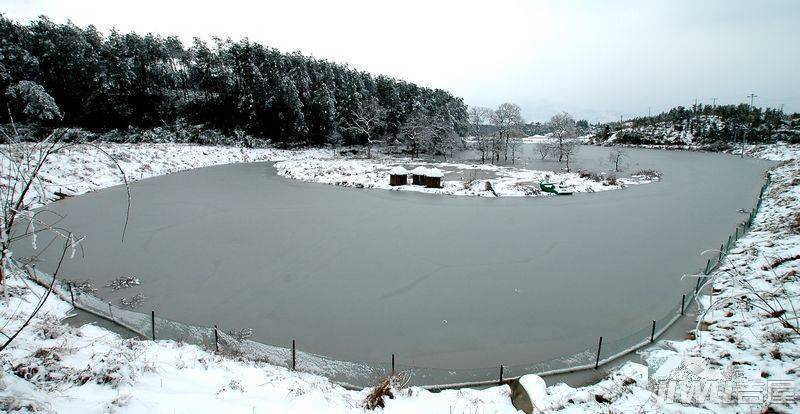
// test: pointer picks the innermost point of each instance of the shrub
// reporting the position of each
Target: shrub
(649, 174)
(794, 225)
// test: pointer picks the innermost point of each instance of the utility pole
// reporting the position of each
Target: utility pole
(713, 102)
(751, 96)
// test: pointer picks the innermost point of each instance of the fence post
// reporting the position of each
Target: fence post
(708, 266)
(599, 347)
(653, 333)
(153, 323)
(697, 286)
(109, 311)
(216, 339)
(501, 375)
(683, 302)
(71, 293)
(392, 364)
(294, 356)
(728, 246)
(737, 233)
(721, 248)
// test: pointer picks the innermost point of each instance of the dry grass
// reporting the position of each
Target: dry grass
(385, 389)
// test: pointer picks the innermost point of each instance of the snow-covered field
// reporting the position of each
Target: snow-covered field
(747, 342)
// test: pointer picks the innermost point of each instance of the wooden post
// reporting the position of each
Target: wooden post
(697, 286)
(71, 293)
(728, 246)
(392, 364)
(501, 375)
(599, 347)
(708, 266)
(109, 311)
(721, 248)
(683, 302)
(294, 356)
(216, 338)
(653, 333)
(153, 323)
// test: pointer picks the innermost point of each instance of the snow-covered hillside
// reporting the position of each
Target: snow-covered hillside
(701, 130)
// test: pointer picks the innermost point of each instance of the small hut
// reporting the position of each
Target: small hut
(398, 176)
(433, 178)
(418, 175)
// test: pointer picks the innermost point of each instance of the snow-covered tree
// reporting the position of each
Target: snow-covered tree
(478, 116)
(33, 102)
(508, 122)
(365, 122)
(563, 127)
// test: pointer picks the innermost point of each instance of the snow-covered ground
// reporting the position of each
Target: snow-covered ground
(746, 344)
(504, 181)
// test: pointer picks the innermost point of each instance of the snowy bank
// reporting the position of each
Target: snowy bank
(81, 169)
(53, 367)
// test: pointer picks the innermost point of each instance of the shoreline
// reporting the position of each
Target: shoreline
(618, 390)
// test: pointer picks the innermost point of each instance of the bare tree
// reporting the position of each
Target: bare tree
(444, 139)
(478, 115)
(568, 150)
(365, 121)
(617, 157)
(508, 121)
(515, 145)
(563, 126)
(544, 149)
(417, 132)
(22, 189)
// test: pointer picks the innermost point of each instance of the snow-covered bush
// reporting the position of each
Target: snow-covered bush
(33, 102)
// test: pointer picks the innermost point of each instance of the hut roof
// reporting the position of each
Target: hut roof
(419, 170)
(398, 170)
(434, 172)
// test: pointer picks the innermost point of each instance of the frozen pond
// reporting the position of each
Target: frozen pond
(440, 281)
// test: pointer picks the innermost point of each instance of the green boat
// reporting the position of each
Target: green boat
(552, 188)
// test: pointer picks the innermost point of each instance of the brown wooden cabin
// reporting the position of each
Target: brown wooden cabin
(418, 175)
(398, 176)
(433, 178)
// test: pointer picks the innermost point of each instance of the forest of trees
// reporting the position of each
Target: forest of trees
(124, 80)
(709, 124)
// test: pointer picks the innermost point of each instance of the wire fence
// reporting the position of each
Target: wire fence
(362, 374)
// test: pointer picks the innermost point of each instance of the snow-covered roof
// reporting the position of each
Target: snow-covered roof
(398, 170)
(434, 172)
(419, 170)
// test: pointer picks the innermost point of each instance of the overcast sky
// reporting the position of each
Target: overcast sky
(595, 59)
